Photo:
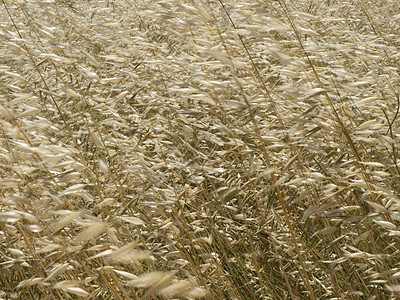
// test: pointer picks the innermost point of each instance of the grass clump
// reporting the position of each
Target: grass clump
(199, 149)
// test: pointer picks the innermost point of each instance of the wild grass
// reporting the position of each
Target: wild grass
(199, 149)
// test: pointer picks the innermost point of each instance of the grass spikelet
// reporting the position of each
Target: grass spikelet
(128, 254)
(176, 288)
(149, 279)
(66, 284)
(132, 220)
(157, 284)
(93, 230)
(76, 291)
(62, 222)
(30, 282)
(58, 270)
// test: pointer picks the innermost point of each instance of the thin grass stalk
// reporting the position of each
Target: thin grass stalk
(273, 178)
(266, 158)
(359, 160)
(62, 116)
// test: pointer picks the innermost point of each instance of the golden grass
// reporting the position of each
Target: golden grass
(199, 149)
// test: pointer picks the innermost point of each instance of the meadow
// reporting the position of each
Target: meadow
(199, 149)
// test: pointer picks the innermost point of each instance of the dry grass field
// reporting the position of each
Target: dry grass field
(187, 149)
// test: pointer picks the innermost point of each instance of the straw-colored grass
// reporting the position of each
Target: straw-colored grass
(212, 149)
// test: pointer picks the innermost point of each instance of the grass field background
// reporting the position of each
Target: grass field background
(199, 149)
